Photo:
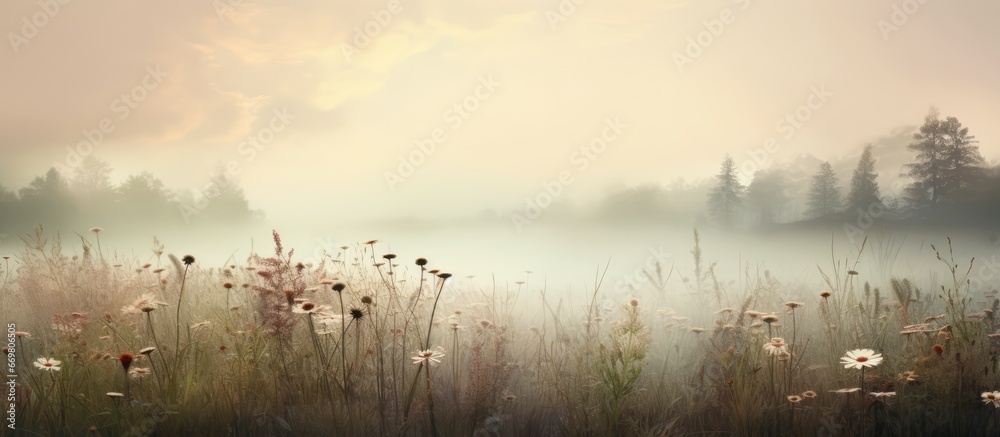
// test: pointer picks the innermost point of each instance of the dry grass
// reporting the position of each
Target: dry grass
(274, 347)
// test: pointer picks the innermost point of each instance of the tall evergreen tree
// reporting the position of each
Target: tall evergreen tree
(824, 192)
(947, 162)
(963, 162)
(726, 199)
(928, 170)
(864, 184)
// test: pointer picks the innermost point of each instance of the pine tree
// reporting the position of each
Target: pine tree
(726, 199)
(928, 170)
(963, 162)
(947, 161)
(824, 192)
(864, 184)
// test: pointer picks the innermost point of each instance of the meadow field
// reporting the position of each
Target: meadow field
(367, 342)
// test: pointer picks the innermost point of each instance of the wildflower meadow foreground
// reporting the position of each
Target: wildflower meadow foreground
(372, 343)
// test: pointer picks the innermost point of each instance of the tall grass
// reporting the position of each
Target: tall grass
(364, 343)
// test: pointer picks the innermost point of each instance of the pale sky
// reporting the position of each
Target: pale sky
(206, 75)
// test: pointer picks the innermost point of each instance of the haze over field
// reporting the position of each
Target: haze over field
(432, 118)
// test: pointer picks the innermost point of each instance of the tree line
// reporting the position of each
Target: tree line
(87, 197)
(948, 180)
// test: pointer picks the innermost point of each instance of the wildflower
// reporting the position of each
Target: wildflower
(146, 303)
(938, 349)
(824, 294)
(421, 262)
(808, 394)
(367, 300)
(389, 256)
(510, 398)
(138, 372)
(991, 397)
(147, 350)
(356, 314)
(633, 302)
(845, 390)
(783, 354)
(309, 308)
(776, 346)
(338, 287)
(22, 334)
(794, 305)
(114, 394)
(429, 356)
(794, 399)
(694, 330)
(852, 272)
(126, 360)
(908, 376)
(860, 358)
(49, 364)
(188, 260)
(769, 318)
(883, 394)
(96, 230)
(916, 331)
(444, 275)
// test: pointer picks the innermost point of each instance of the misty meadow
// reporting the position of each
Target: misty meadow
(518, 218)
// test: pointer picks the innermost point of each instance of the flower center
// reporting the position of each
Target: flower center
(991, 396)
(861, 359)
(48, 364)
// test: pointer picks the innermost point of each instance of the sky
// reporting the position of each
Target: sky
(448, 107)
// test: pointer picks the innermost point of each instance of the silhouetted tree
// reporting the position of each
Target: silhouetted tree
(144, 196)
(963, 162)
(824, 192)
(864, 184)
(222, 201)
(947, 160)
(46, 200)
(91, 176)
(92, 190)
(726, 199)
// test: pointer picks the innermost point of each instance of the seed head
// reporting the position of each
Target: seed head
(126, 360)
